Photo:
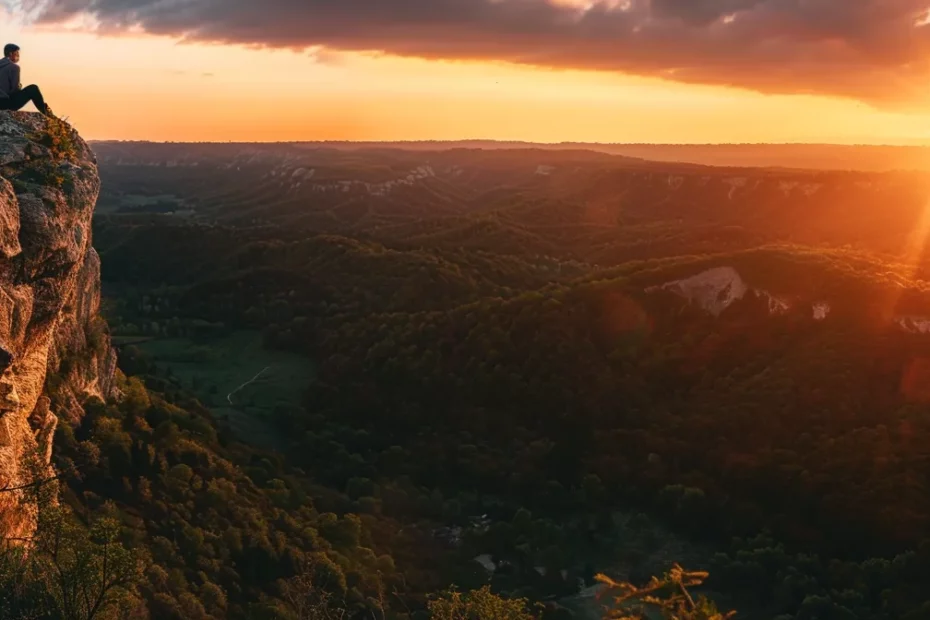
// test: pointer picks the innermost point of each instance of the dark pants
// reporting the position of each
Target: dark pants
(20, 98)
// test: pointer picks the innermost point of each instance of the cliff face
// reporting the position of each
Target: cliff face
(52, 343)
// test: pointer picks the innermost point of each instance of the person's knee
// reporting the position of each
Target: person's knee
(32, 89)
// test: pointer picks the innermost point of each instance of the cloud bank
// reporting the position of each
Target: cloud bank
(872, 50)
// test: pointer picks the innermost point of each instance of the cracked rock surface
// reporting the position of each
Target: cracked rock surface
(54, 349)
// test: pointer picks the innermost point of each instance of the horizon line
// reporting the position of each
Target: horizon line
(923, 144)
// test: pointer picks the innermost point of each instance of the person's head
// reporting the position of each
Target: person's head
(11, 51)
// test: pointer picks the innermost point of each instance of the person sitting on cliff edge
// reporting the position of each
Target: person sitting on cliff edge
(12, 94)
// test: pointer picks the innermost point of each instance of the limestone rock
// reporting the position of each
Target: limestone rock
(49, 296)
(713, 290)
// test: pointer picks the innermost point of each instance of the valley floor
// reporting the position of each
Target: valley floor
(237, 378)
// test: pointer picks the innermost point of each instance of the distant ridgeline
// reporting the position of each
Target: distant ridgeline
(588, 206)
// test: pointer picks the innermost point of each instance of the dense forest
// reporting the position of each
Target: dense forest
(519, 380)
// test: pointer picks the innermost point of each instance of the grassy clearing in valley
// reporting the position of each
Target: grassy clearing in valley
(236, 377)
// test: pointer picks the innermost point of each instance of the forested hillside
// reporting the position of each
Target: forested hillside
(522, 369)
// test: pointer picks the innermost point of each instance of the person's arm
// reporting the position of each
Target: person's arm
(15, 79)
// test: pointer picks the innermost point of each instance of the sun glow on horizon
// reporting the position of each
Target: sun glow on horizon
(159, 88)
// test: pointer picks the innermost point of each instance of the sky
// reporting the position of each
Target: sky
(610, 71)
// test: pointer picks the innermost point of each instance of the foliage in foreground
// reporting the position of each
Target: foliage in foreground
(479, 604)
(69, 571)
(669, 596)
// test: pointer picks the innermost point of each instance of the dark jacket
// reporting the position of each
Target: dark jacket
(9, 77)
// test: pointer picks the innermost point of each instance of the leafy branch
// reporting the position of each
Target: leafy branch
(670, 595)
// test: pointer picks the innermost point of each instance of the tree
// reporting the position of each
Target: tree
(88, 573)
(309, 594)
(68, 571)
(481, 604)
(669, 595)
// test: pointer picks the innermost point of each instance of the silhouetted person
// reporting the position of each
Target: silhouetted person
(12, 94)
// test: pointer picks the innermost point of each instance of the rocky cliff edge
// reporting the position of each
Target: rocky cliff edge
(54, 349)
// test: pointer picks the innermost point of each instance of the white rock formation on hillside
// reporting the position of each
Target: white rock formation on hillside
(914, 324)
(713, 290)
(821, 310)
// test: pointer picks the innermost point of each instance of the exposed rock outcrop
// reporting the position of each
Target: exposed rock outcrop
(821, 310)
(914, 324)
(54, 350)
(713, 290)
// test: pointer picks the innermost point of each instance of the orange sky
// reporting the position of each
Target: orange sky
(155, 88)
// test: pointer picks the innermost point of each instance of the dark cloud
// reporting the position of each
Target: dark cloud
(699, 12)
(867, 49)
